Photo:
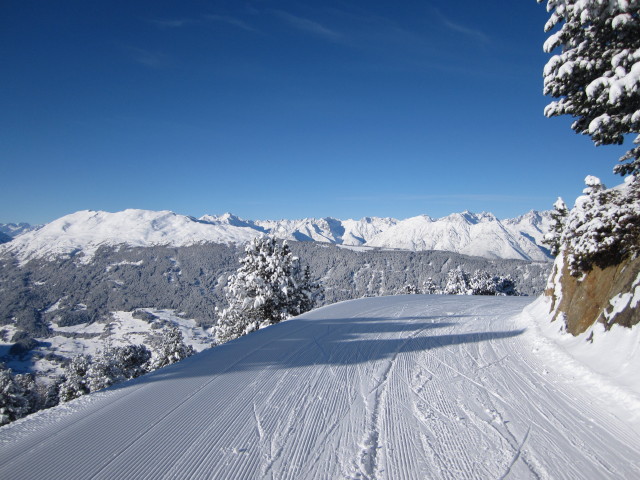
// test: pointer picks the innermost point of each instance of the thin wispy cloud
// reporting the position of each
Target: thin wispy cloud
(172, 23)
(149, 58)
(309, 26)
(470, 32)
(185, 22)
(473, 33)
(236, 22)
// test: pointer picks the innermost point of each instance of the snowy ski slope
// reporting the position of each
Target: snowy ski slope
(404, 387)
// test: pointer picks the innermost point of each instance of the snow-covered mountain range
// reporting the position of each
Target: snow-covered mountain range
(14, 229)
(481, 235)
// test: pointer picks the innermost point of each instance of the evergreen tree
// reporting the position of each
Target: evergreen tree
(505, 286)
(21, 395)
(172, 348)
(457, 283)
(309, 291)
(48, 393)
(133, 360)
(410, 289)
(430, 288)
(553, 238)
(85, 374)
(596, 75)
(482, 283)
(13, 402)
(593, 185)
(103, 371)
(75, 382)
(269, 286)
(27, 383)
(604, 226)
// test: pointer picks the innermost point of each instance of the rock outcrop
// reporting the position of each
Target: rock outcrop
(596, 275)
(610, 295)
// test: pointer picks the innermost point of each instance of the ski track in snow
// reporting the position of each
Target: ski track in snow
(404, 387)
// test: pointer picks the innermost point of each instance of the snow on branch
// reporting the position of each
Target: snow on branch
(596, 74)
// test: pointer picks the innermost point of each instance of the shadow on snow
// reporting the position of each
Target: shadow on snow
(304, 342)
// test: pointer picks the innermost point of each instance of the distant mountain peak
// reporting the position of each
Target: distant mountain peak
(14, 229)
(82, 233)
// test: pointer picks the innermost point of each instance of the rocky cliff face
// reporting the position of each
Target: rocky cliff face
(609, 296)
(596, 276)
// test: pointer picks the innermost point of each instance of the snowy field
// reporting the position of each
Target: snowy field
(93, 338)
(403, 387)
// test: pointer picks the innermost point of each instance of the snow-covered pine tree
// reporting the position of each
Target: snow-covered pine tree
(13, 402)
(309, 291)
(603, 228)
(596, 75)
(172, 348)
(27, 383)
(75, 383)
(103, 371)
(505, 286)
(132, 360)
(558, 218)
(457, 283)
(482, 283)
(86, 374)
(48, 393)
(269, 286)
(410, 289)
(21, 395)
(430, 288)
(593, 185)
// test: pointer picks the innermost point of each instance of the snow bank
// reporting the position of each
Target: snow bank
(606, 362)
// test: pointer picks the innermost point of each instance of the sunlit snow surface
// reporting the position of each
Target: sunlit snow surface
(388, 388)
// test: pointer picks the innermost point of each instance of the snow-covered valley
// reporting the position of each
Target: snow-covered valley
(123, 328)
(388, 388)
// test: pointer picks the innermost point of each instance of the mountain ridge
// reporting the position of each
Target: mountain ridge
(12, 230)
(482, 235)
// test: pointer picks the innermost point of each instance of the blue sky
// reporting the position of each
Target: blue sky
(282, 109)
